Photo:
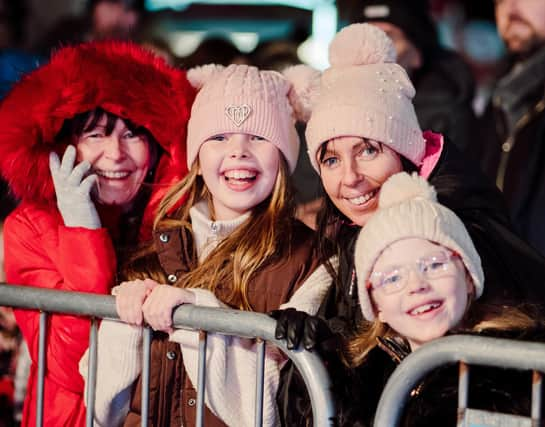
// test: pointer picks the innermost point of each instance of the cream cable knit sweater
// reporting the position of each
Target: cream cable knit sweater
(231, 361)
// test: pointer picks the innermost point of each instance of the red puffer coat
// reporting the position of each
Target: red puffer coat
(39, 250)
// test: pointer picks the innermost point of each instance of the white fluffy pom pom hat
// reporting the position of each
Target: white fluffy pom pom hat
(365, 94)
(244, 99)
(408, 208)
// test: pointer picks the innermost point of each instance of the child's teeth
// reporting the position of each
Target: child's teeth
(425, 307)
(240, 174)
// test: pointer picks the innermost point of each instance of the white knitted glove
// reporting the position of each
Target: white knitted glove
(73, 193)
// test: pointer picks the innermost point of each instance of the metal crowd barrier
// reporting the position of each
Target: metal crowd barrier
(466, 350)
(203, 319)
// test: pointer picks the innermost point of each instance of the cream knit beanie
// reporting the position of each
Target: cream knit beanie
(243, 99)
(366, 94)
(408, 208)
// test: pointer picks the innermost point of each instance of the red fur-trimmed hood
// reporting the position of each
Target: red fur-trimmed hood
(120, 77)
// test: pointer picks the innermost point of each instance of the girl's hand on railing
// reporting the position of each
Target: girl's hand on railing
(130, 297)
(161, 302)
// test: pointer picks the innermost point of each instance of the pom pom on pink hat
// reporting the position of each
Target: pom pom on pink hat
(365, 94)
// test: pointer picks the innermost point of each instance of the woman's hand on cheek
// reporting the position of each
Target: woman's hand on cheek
(73, 183)
(130, 297)
(161, 302)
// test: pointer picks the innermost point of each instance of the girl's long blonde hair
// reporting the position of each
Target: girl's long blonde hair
(263, 238)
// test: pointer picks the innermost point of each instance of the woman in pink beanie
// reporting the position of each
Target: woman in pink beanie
(233, 243)
(362, 130)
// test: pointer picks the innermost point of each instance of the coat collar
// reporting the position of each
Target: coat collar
(395, 347)
(208, 233)
(434, 147)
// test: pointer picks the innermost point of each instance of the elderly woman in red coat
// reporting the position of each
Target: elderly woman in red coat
(116, 115)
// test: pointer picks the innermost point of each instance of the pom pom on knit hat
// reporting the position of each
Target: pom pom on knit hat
(361, 45)
(365, 94)
(304, 91)
(244, 99)
(398, 189)
(408, 208)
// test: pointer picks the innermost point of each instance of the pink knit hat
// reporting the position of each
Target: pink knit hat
(365, 93)
(243, 99)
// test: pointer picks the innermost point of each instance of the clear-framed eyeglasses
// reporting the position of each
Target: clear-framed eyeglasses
(435, 266)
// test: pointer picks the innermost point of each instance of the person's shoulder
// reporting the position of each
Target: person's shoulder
(458, 176)
(33, 215)
(521, 322)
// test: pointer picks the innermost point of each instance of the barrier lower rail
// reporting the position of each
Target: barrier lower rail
(468, 350)
(206, 320)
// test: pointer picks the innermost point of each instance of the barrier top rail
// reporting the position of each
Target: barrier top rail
(223, 321)
(468, 349)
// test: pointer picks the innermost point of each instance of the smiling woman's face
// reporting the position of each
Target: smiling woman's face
(120, 160)
(353, 170)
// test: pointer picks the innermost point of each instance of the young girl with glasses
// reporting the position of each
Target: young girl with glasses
(417, 267)
(419, 279)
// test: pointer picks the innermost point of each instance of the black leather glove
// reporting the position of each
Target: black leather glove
(299, 327)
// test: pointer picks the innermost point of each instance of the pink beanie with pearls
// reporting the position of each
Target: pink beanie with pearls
(365, 94)
(244, 99)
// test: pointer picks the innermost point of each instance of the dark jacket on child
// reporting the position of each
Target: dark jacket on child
(433, 401)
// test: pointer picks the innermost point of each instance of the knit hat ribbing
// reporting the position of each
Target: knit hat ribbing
(365, 93)
(243, 99)
(408, 208)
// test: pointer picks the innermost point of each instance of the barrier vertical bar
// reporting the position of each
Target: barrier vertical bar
(146, 355)
(201, 378)
(537, 386)
(259, 375)
(463, 385)
(41, 370)
(92, 373)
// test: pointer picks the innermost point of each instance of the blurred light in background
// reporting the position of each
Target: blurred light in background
(246, 34)
(182, 4)
(314, 51)
(184, 43)
(481, 42)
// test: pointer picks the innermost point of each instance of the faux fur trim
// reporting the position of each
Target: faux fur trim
(120, 77)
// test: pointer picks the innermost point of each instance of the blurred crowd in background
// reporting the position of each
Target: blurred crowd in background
(30, 30)
(35, 27)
